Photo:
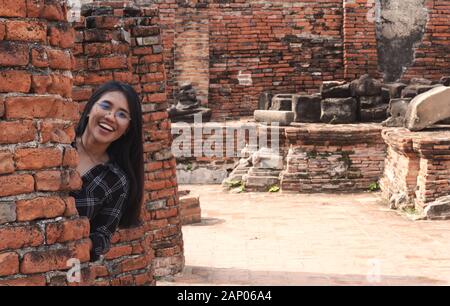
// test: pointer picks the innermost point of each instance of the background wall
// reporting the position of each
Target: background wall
(293, 46)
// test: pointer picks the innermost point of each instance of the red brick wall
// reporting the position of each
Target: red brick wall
(360, 42)
(106, 53)
(285, 46)
(39, 226)
(432, 57)
(192, 50)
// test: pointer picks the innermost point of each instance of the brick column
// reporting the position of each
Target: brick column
(39, 226)
(360, 42)
(118, 41)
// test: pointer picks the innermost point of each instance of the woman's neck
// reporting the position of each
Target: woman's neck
(93, 148)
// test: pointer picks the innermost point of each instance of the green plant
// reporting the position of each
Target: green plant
(234, 184)
(374, 187)
(274, 188)
(189, 167)
(241, 188)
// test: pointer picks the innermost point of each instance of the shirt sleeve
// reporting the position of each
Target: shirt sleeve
(106, 220)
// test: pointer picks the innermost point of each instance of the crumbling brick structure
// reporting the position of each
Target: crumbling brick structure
(40, 229)
(417, 167)
(287, 47)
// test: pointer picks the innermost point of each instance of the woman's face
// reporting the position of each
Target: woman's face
(109, 117)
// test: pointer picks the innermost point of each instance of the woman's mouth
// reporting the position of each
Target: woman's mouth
(106, 127)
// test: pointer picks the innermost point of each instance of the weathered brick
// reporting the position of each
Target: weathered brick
(34, 8)
(6, 162)
(71, 209)
(13, 54)
(68, 230)
(60, 59)
(26, 31)
(56, 132)
(9, 263)
(17, 132)
(20, 237)
(43, 261)
(15, 81)
(37, 158)
(40, 208)
(39, 57)
(12, 8)
(7, 212)
(34, 280)
(54, 11)
(43, 107)
(62, 35)
(40, 84)
(113, 62)
(58, 180)
(71, 158)
(61, 85)
(15, 184)
(118, 251)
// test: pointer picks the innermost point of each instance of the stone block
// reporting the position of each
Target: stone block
(282, 102)
(339, 91)
(439, 209)
(265, 101)
(428, 108)
(266, 158)
(7, 212)
(365, 86)
(375, 114)
(395, 89)
(336, 111)
(307, 108)
(283, 118)
(370, 102)
(409, 91)
(445, 80)
(420, 81)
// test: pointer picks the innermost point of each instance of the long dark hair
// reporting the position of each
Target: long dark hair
(127, 151)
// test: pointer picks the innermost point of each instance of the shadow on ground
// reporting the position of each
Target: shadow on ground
(192, 276)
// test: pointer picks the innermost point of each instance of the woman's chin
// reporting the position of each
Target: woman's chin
(104, 137)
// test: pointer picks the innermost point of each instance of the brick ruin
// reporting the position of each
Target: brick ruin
(292, 46)
(49, 68)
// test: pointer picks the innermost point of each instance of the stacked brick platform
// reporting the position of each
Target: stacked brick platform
(325, 158)
(124, 44)
(39, 226)
(417, 166)
(318, 157)
(190, 211)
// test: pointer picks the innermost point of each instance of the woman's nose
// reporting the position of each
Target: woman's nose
(110, 115)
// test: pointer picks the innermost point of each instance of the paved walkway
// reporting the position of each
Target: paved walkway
(320, 239)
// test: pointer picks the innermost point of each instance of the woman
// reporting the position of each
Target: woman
(109, 144)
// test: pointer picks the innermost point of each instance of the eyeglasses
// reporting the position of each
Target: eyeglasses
(120, 115)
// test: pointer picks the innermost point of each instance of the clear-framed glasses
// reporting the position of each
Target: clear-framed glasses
(120, 115)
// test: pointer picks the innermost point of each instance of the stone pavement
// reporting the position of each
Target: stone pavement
(309, 239)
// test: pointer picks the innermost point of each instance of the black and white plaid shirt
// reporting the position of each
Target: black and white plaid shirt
(102, 199)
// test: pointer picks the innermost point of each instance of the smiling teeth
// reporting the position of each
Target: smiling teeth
(107, 127)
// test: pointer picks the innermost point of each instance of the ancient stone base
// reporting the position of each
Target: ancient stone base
(190, 211)
(417, 168)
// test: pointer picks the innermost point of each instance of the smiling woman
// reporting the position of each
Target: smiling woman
(109, 143)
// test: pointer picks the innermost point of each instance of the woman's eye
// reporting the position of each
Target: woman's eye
(122, 115)
(104, 105)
